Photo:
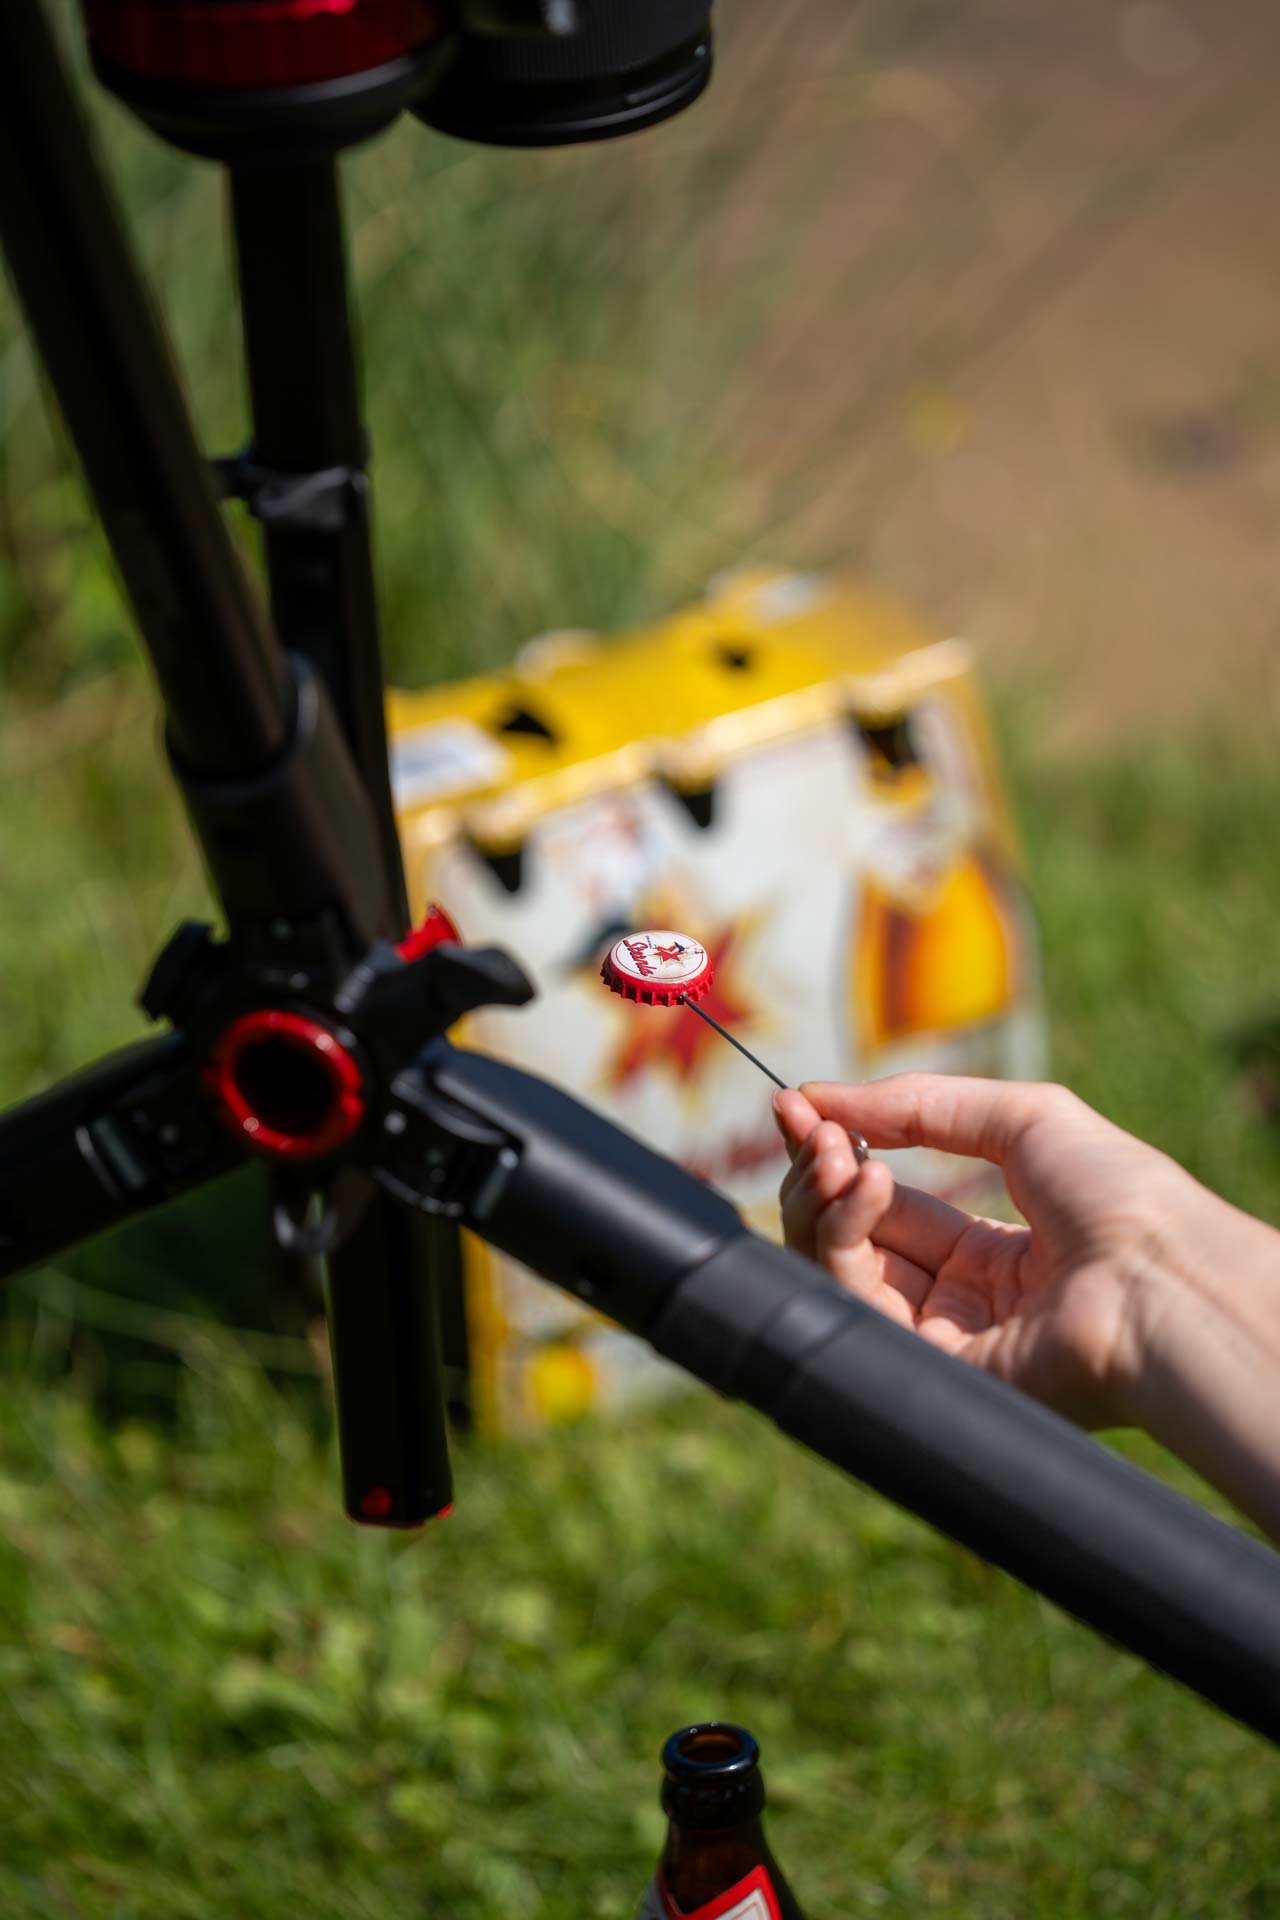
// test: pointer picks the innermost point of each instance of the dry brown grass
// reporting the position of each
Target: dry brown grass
(1009, 327)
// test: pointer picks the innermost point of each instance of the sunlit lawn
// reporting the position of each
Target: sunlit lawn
(219, 1699)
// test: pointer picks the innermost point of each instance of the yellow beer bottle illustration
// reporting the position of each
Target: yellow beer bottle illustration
(935, 957)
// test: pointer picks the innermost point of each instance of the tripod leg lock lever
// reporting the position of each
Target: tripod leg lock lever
(323, 501)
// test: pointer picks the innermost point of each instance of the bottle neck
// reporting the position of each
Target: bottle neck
(700, 1864)
(686, 1844)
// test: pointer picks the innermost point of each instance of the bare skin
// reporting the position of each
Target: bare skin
(1132, 1297)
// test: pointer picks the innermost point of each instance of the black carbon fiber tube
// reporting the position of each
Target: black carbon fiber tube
(88, 1154)
(589, 1207)
(991, 1468)
(223, 677)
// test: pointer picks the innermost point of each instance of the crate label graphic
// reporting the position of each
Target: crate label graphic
(800, 779)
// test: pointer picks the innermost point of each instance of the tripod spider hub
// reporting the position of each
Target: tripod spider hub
(289, 1087)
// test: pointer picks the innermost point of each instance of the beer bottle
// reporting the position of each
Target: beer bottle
(716, 1864)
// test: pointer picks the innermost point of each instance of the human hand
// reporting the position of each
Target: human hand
(1063, 1307)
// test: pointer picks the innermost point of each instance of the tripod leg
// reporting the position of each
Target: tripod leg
(103, 1146)
(386, 1363)
(225, 684)
(229, 695)
(300, 353)
(306, 415)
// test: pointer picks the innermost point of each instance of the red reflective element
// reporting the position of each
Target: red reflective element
(434, 931)
(377, 1504)
(324, 1113)
(228, 46)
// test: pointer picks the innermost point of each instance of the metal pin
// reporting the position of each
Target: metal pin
(861, 1151)
(684, 1001)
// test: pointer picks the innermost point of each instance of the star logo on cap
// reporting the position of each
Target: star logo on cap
(673, 1038)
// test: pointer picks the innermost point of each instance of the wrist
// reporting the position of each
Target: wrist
(1203, 1368)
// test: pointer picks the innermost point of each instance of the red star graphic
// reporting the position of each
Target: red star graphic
(674, 1037)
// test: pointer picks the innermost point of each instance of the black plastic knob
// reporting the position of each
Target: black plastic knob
(628, 66)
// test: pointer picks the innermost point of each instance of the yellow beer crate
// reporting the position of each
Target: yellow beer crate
(800, 776)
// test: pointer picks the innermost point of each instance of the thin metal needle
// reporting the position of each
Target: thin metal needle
(684, 1001)
(861, 1150)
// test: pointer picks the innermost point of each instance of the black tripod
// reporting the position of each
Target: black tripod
(313, 1033)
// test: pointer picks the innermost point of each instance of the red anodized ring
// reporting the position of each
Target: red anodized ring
(335, 1123)
(241, 45)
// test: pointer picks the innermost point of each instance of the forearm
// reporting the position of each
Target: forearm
(1209, 1384)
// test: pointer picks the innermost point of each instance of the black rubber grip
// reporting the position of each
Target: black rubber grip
(989, 1466)
(614, 1223)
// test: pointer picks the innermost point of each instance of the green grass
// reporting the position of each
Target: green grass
(216, 1697)
(1153, 868)
(219, 1698)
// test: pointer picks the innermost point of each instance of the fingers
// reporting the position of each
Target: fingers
(982, 1118)
(796, 1118)
(922, 1228)
(823, 1169)
(918, 1226)
(847, 1244)
(832, 1211)
(848, 1222)
(910, 1234)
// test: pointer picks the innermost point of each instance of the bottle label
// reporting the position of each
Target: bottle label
(751, 1899)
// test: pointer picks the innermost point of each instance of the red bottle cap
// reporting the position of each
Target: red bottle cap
(658, 968)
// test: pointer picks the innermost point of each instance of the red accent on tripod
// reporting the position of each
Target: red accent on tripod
(286, 1085)
(434, 931)
(228, 46)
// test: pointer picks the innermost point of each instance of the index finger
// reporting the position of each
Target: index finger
(980, 1118)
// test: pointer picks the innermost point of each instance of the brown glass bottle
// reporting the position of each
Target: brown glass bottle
(716, 1864)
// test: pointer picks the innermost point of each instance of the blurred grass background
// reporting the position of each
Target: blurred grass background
(973, 297)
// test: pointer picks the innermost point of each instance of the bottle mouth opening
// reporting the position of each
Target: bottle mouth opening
(710, 1751)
